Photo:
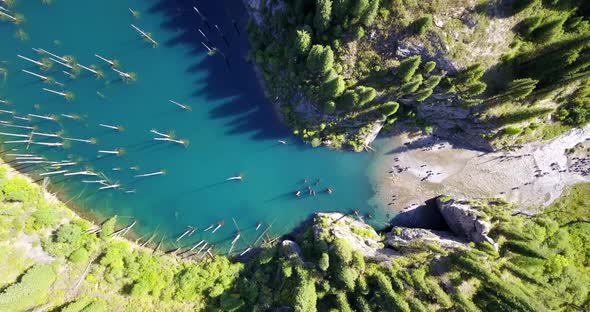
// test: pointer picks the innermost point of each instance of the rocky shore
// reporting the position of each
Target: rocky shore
(410, 170)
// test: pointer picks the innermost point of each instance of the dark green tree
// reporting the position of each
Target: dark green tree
(389, 108)
(333, 88)
(323, 15)
(421, 25)
(320, 59)
(340, 10)
(371, 13)
(408, 67)
(359, 7)
(548, 31)
(302, 42)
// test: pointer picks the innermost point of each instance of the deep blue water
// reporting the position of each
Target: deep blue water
(232, 129)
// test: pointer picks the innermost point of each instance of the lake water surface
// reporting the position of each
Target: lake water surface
(231, 129)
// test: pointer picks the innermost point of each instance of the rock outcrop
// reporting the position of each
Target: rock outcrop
(361, 236)
(401, 237)
(464, 221)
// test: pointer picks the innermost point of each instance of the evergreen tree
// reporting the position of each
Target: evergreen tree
(366, 95)
(470, 74)
(521, 5)
(548, 31)
(349, 99)
(359, 7)
(340, 10)
(389, 108)
(421, 25)
(333, 88)
(371, 13)
(423, 94)
(429, 66)
(329, 107)
(529, 24)
(302, 42)
(432, 82)
(107, 228)
(408, 67)
(320, 59)
(323, 15)
(475, 88)
(521, 88)
(412, 86)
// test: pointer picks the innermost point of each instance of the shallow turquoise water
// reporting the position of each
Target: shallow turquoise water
(231, 127)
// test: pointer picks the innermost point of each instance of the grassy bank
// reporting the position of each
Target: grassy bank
(50, 261)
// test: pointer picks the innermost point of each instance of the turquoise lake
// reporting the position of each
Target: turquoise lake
(231, 128)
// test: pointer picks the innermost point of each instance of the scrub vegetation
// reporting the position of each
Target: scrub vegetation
(50, 260)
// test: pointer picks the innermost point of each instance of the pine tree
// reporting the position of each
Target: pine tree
(548, 31)
(389, 108)
(302, 42)
(521, 5)
(475, 88)
(470, 74)
(421, 25)
(371, 13)
(429, 66)
(366, 95)
(323, 15)
(340, 10)
(358, 8)
(423, 94)
(408, 67)
(320, 59)
(333, 88)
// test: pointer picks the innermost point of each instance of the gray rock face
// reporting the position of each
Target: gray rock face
(291, 250)
(401, 237)
(464, 221)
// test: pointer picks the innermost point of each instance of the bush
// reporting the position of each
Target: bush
(421, 25)
(324, 262)
(19, 189)
(30, 292)
(108, 228)
(512, 130)
(79, 256)
(44, 218)
(329, 107)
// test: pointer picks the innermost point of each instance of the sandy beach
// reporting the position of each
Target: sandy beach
(409, 171)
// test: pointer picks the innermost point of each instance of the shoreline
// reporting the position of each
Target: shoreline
(54, 194)
(409, 171)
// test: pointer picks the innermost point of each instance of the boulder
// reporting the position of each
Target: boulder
(464, 221)
(400, 237)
